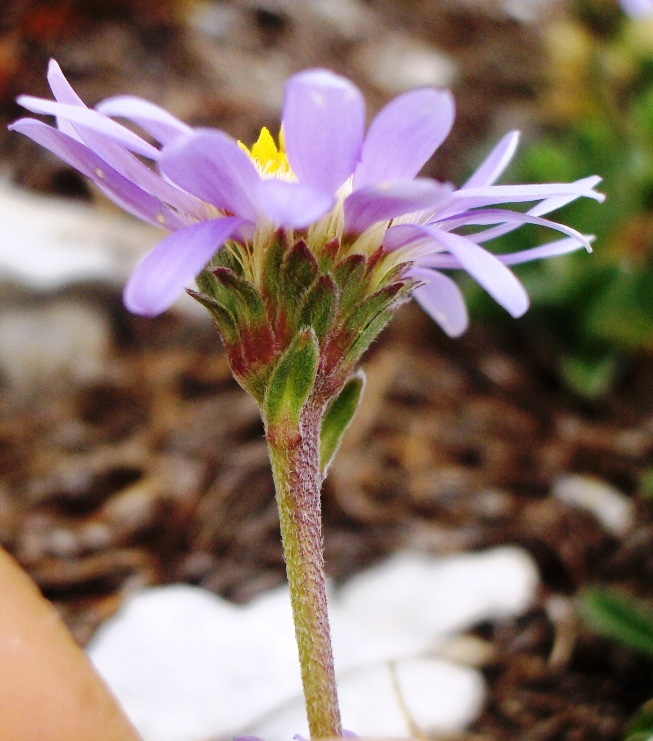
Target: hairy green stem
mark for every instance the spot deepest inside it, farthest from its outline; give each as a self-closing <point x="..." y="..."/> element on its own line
<point x="295" y="457"/>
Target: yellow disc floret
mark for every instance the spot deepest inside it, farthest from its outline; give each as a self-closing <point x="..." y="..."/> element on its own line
<point x="268" y="158"/>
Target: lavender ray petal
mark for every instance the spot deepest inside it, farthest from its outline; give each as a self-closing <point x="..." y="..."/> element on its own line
<point x="545" y="207"/>
<point x="468" y="198"/>
<point x="444" y="261"/>
<point x="552" y="249"/>
<point x="64" y="93"/>
<point x="404" y="135"/>
<point x="119" y="189"/>
<point x="140" y="174"/>
<point x="114" y="154"/>
<point x="482" y="217"/>
<point x="556" y="202"/>
<point x="442" y="300"/>
<point x="386" y="201"/>
<point x="292" y="205"/>
<point x="495" y="163"/>
<point x="323" y="123"/>
<point x="404" y="235"/>
<point x="460" y="206"/>
<point x="160" y="124"/>
<point x="162" y="274"/>
<point x="487" y="270"/>
<point x="210" y="165"/>
<point x="92" y="120"/>
<point x="638" y="8"/>
<point x="61" y="88"/>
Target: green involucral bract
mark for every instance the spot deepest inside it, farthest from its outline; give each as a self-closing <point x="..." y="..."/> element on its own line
<point x="291" y="380"/>
<point x="337" y="418"/>
<point x="265" y="303"/>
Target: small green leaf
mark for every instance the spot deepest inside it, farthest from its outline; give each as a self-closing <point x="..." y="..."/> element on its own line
<point x="318" y="307"/>
<point x="351" y="279"/>
<point x="640" y="726"/>
<point x="240" y="296"/>
<point x="618" y="616"/>
<point x="298" y="273"/>
<point x="292" y="379"/>
<point x="272" y="273"/>
<point x="223" y="319"/>
<point x="371" y="316"/>
<point x="206" y="282"/>
<point x="227" y="257"/>
<point x="338" y="416"/>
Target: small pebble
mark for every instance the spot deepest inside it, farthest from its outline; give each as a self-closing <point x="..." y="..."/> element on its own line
<point x="613" y="509"/>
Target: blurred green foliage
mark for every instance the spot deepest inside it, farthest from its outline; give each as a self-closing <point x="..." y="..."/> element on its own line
<point x="618" y="616"/>
<point x="596" y="114"/>
<point x="630" y="622"/>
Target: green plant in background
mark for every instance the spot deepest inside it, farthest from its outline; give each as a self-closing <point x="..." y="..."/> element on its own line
<point x="630" y="622"/>
<point x="596" y="109"/>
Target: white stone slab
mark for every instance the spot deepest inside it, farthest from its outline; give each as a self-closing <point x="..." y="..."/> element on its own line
<point x="49" y="242"/>
<point x="187" y="665"/>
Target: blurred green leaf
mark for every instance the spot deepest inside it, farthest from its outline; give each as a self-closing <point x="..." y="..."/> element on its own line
<point x="597" y="309"/>
<point x="640" y="727"/>
<point x="646" y="484"/>
<point x="589" y="377"/>
<point x="615" y="615"/>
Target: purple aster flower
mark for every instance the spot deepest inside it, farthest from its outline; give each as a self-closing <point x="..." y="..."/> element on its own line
<point x="637" y="8"/>
<point x="327" y="180"/>
<point x="310" y="246"/>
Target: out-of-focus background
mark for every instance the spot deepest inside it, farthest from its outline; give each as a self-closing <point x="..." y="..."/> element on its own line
<point x="128" y="455"/>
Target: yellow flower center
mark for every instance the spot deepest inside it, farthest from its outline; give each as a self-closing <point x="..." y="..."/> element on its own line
<point x="268" y="158"/>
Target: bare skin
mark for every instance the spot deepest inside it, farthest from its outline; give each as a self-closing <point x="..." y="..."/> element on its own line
<point x="49" y="690"/>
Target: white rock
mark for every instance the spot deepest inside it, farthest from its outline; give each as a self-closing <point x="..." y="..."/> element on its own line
<point x="398" y="63"/>
<point x="66" y="338"/>
<point x="48" y="242"/>
<point x="613" y="509"/>
<point x="413" y="599"/>
<point x="369" y="706"/>
<point x="350" y="18"/>
<point x="393" y="700"/>
<point x="187" y="665"/>
<point x="527" y="11"/>
<point x="440" y="697"/>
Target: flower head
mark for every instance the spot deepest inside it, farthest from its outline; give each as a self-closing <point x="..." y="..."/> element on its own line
<point x="326" y="180"/>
